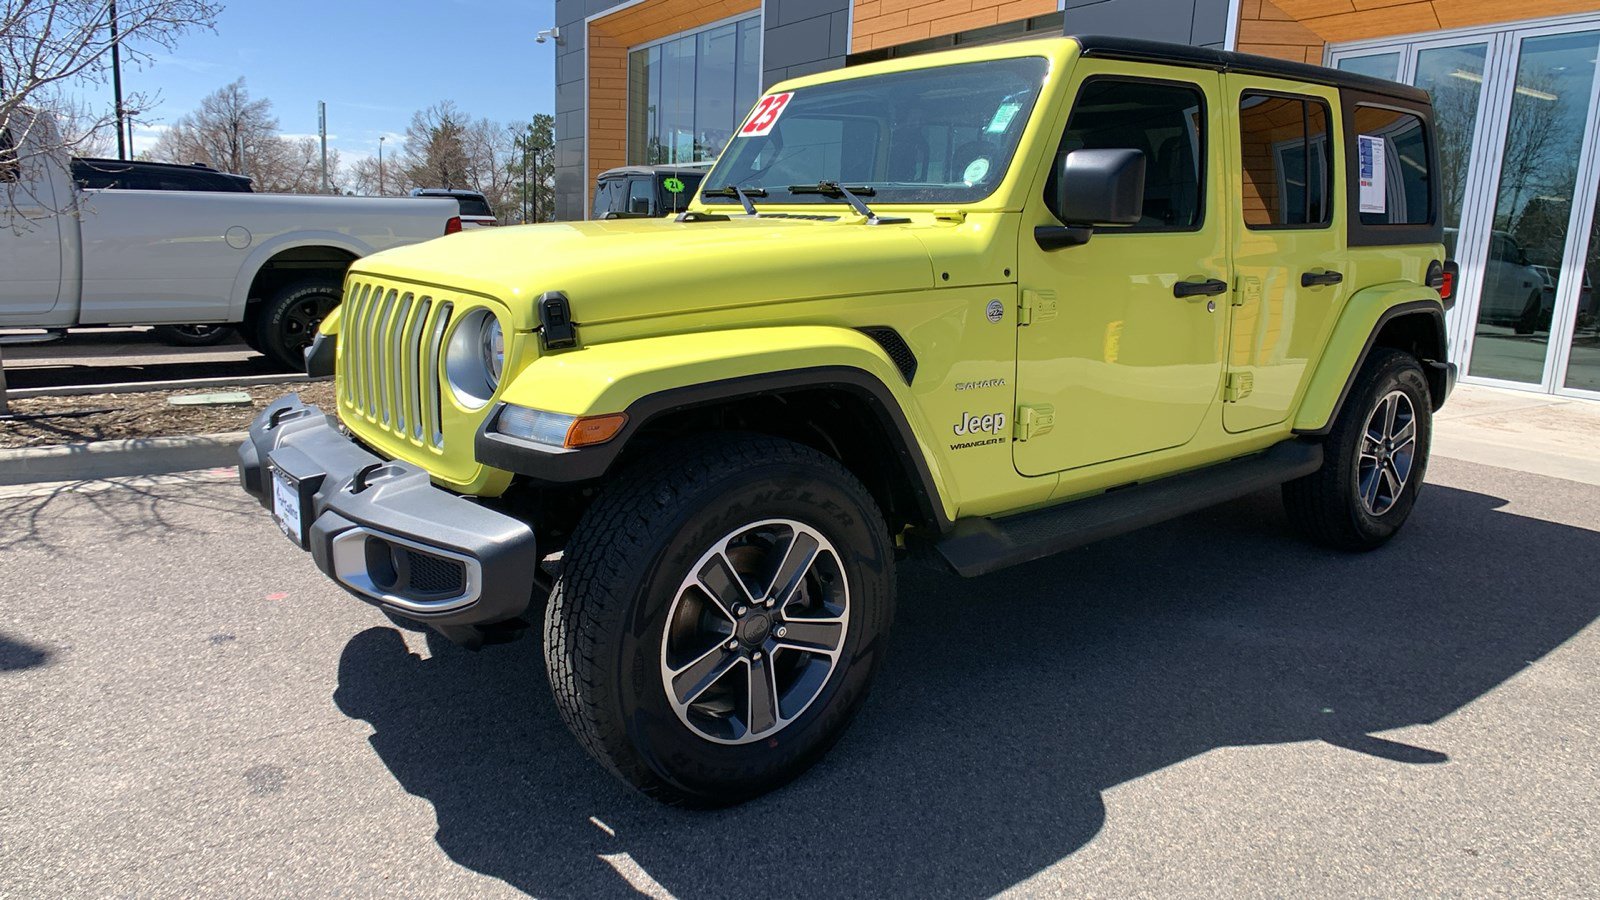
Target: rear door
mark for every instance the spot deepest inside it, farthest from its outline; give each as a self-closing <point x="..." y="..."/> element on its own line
<point x="1119" y="347"/>
<point x="1289" y="242"/>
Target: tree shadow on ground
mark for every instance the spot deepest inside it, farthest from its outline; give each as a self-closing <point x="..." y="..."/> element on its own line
<point x="1008" y="705"/>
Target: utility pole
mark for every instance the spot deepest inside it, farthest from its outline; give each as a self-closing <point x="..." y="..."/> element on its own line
<point x="322" y="129"/>
<point x="381" y="139"/>
<point x="116" y="83"/>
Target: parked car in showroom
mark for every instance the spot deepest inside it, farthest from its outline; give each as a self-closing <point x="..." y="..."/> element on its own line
<point x="475" y="209"/>
<point x="271" y="264"/>
<point x="645" y="192"/>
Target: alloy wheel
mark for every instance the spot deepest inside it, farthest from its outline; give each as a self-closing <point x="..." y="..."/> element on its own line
<point x="755" y="631"/>
<point x="1387" y="453"/>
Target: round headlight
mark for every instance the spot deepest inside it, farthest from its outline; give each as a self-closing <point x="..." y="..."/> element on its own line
<point x="475" y="358"/>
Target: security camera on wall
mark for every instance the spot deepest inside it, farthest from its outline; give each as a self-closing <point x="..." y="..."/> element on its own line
<point x="549" y="34"/>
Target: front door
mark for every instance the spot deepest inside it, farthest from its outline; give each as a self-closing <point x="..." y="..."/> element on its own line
<point x="1120" y="340"/>
<point x="1289" y="256"/>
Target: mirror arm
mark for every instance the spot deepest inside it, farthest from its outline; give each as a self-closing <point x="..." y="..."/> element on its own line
<point x="1057" y="237"/>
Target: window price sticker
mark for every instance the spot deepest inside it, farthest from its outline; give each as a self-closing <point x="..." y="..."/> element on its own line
<point x="766" y="115"/>
<point x="1374" y="181"/>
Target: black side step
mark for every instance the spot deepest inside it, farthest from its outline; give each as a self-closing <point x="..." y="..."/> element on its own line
<point x="978" y="546"/>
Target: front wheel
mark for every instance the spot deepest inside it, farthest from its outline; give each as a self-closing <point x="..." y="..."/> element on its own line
<point x="720" y="615"/>
<point x="288" y="320"/>
<point x="1375" y="457"/>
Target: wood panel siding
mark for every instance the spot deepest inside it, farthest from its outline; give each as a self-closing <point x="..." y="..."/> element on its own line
<point x="1354" y="20"/>
<point x="1266" y="29"/>
<point x="886" y="23"/>
<point x="610" y="38"/>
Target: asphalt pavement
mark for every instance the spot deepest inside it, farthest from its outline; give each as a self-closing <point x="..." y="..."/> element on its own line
<point x="1210" y="707"/>
<point x="123" y="355"/>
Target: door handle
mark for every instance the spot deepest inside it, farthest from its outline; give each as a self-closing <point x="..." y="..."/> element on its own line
<point x="1208" y="288"/>
<point x="1316" y="279"/>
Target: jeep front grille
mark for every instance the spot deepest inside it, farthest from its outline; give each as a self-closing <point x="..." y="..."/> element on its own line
<point x="390" y="340"/>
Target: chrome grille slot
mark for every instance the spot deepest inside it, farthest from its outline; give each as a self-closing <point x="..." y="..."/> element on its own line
<point x="389" y="361"/>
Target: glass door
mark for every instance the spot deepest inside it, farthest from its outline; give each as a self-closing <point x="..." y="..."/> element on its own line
<point x="1516" y="111"/>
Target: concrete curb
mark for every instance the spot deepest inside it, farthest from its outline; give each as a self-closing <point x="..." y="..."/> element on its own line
<point x="114" y="459"/>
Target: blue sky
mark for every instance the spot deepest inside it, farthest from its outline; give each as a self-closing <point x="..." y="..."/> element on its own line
<point x="373" y="62"/>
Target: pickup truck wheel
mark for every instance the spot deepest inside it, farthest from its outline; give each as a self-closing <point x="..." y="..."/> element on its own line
<point x="1375" y="458"/>
<point x="288" y="320"/>
<point x="720" y="614"/>
<point x="192" y="335"/>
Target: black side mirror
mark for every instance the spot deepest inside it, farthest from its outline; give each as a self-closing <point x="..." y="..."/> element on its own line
<point x="1094" y="187"/>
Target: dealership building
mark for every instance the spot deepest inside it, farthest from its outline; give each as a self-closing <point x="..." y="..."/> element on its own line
<point x="642" y="82"/>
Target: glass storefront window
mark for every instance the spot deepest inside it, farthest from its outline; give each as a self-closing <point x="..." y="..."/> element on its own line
<point x="1538" y="173"/>
<point x="687" y="94"/>
<point x="1378" y="65"/>
<point x="1454" y="76"/>
<point x="1583" y="368"/>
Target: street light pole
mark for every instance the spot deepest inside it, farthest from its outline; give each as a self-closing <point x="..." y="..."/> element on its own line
<point x="322" y="129"/>
<point x="116" y="81"/>
<point x="381" y="139"/>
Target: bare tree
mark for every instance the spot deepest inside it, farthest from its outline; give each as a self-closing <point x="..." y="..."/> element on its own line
<point x="435" y="153"/>
<point x="47" y="45"/>
<point x="230" y="131"/>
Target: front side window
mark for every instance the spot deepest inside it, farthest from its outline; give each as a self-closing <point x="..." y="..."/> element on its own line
<point x="641" y="193"/>
<point x="1393" y="165"/>
<point x="1288" y="175"/>
<point x="942" y="135"/>
<point x="1164" y="121"/>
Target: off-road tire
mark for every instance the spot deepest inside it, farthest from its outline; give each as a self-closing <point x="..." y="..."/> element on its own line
<point x="606" y="619"/>
<point x="288" y="320"/>
<point x="1326" y="505"/>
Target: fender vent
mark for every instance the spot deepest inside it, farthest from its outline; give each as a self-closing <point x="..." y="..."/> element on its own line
<point x="894" y="345"/>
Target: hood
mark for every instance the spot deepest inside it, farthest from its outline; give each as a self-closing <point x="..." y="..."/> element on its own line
<point x="621" y="269"/>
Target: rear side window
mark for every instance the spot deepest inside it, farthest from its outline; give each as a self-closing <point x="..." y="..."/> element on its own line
<point x="1163" y="120"/>
<point x="1392" y="159"/>
<point x="1287" y="165"/>
<point x="474" y="206"/>
<point x="10" y="165"/>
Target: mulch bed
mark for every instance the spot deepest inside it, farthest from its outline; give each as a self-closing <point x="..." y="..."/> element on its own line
<point x="119" y="416"/>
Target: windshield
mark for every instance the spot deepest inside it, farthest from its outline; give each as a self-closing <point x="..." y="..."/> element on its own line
<point x="942" y="135"/>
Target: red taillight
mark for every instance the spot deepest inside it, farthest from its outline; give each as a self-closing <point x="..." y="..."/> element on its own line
<point x="453" y="226"/>
<point x="1447" y="287"/>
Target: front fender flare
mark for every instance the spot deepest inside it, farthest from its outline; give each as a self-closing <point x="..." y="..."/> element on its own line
<point x="1364" y="316"/>
<point x="651" y="377"/>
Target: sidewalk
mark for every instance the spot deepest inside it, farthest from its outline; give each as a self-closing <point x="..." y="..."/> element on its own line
<point x="1538" y="433"/>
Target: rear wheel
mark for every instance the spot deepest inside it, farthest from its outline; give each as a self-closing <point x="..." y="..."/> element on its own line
<point x="1375" y="457"/>
<point x="288" y="320"/>
<point x="719" y="618"/>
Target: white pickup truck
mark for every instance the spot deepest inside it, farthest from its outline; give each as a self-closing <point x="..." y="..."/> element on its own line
<point x="273" y="264"/>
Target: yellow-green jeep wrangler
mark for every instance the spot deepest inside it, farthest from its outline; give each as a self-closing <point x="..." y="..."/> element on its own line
<point x="981" y="306"/>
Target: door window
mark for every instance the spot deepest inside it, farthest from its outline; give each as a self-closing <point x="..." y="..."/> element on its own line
<point x="1288" y="176"/>
<point x="1165" y="121"/>
<point x="641" y="196"/>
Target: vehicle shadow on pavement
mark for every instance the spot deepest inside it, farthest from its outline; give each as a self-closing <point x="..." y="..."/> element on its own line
<point x="1008" y="705"/>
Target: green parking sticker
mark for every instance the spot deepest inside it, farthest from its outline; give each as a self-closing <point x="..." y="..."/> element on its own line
<point x="673" y="185"/>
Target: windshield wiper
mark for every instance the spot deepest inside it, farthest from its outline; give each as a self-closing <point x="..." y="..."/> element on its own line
<point x="743" y="195"/>
<point x="851" y="195"/>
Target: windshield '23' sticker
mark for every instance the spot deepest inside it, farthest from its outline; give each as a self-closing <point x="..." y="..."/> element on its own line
<point x="766" y="115"/>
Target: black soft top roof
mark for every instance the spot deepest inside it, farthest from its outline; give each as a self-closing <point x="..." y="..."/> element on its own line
<point x="651" y="170"/>
<point x="1097" y="46"/>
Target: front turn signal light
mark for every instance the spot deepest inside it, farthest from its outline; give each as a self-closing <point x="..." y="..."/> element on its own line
<point x="557" y="429"/>
<point x="592" y="430"/>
